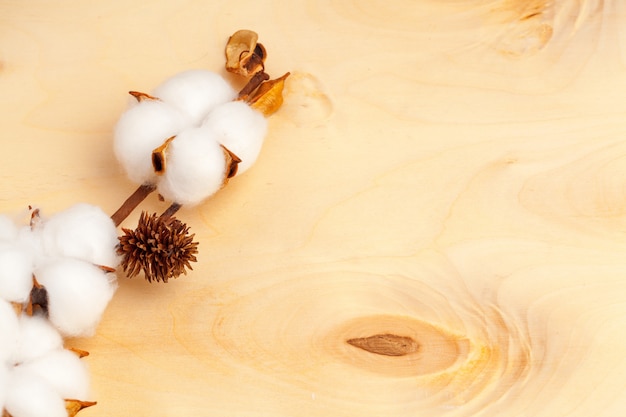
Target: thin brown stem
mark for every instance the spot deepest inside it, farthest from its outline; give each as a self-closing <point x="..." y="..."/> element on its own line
<point x="171" y="210"/>
<point x="132" y="202"/>
<point x="253" y="83"/>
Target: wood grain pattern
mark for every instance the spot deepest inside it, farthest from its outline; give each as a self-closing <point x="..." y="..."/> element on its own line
<point x="452" y="172"/>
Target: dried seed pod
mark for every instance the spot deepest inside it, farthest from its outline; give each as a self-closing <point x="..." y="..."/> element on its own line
<point x="160" y="246"/>
<point x="269" y="96"/>
<point x="244" y="56"/>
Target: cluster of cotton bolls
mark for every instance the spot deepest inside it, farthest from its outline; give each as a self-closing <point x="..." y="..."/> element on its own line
<point x="188" y="137"/>
<point x="55" y="280"/>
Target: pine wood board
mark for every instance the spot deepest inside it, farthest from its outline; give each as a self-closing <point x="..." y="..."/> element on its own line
<point x="450" y="172"/>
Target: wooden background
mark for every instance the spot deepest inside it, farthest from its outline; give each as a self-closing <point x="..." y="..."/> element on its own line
<point x="453" y="171"/>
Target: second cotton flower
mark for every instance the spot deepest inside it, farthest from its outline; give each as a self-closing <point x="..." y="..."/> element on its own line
<point x="189" y="137"/>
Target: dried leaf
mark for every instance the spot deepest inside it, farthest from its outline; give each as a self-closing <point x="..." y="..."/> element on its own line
<point x="139" y="96"/>
<point x="244" y="56"/>
<point x="107" y="269"/>
<point x="74" y="406"/>
<point x="79" y="352"/>
<point x="269" y="96"/>
<point x="159" y="162"/>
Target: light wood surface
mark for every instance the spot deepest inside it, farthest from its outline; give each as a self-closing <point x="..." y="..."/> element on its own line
<point x="449" y="172"/>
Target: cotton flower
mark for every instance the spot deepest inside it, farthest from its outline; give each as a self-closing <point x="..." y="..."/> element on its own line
<point x="9" y="331"/>
<point x="4" y="384"/>
<point x="30" y="239"/>
<point x="82" y="231"/>
<point x="78" y="293"/>
<point x="139" y="130"/>
<point x="196" y="167"/>
<point x="37" y="337"/>
<point x="63" y="370"/>
<point x="16" y="271"/>
<point x="8" y="230"/>
<point x="239" y="128"/>
<point x="28" y="395"/>
<point x="195" y="93"/>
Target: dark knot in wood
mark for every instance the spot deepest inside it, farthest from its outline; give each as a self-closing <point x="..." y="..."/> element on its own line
<point x="386" y="344"/>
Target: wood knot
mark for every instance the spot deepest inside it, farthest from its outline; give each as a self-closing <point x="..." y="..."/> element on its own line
<point x="386" y="344"/>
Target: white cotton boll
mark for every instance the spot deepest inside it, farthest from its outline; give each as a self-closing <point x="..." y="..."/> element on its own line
<point x="64" y="371"/>
<point x="8" y="229"/>
<point x="28" y="395"/>
<point x="9" y="331"/>
<point x="195" y="92"/>
<point x="30" y="240"/>
<point x="78" y="293"/>
<point x="239" y="128"/>
<point x="196" y="167"/>
<point x="37" y="337"/>
<point x="16" y="272"/>
<point x="141" y="129"/>
<point x="4" y="384"/>
<point x="82" y="231"/>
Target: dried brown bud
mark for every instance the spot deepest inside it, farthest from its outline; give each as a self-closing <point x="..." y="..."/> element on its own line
<point x="244" y="56"/>
<point x="160" y="246"/>
<point x="269" y="96"/>
<point x="38" y="298"/>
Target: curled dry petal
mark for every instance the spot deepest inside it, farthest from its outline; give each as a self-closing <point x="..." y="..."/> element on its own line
<point x="269" y="96"/>
<point x="232" y="163"/>
<point x="159" y="160"/>
<point x="244" y="56"/>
